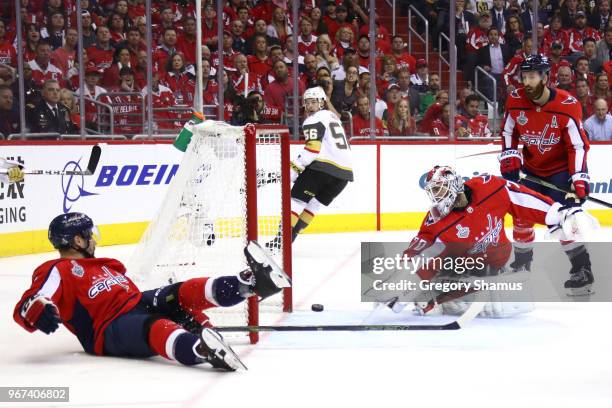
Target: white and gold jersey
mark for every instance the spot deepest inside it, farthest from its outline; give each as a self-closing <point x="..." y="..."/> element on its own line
<point x="326" y="139"/>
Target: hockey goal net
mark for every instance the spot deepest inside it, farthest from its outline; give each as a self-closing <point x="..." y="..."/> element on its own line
<point x="232" y="186"/>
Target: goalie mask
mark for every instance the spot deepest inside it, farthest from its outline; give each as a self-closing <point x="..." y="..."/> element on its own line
<point x="443" y="185"/>
<point x="317" y="93"/>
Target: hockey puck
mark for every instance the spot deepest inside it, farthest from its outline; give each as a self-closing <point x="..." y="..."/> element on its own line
<point x="317" y="307"/>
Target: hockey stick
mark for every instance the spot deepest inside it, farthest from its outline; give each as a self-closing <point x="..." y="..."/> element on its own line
<point x="544" y="183"/>
<point x="471" y="312"/>
<point x="94" y="158"/>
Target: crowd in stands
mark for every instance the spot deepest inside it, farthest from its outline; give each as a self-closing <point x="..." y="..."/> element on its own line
<point x="257" y="47"/>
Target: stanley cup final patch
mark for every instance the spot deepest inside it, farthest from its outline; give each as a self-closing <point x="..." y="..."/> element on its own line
<point x="522" y="119"/>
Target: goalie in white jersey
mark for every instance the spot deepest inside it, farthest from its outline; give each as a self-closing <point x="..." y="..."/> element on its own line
<point x="323" y="168"/>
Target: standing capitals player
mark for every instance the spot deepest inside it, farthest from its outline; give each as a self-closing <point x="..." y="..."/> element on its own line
<point x="100" y="305"/>
<point x="323" y="169"/>
<point x="549" y="124"/>
<point x="466" y="220"/>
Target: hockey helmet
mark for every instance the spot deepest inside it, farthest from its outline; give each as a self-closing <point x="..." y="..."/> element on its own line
<point x="65" y="227"/>
<point x="442" y="186"/>
<point x="538" y="63"/>
<point x="314" y="93"/>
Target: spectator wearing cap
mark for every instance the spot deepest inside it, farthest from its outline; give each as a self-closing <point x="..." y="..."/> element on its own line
<point x="393" y="96"/>
<point x="599" y="126"/>
<point x="477" y="38"/>
<point x="42" y="68"/>
<point x="383" y="38"/>
<point x="101" y="54"/>
<point x="600" y="15"/>
<point x="65" y="56"/>
<point x="584" y="97"/>
<point x="167" y="48"/>
<point x="578" y="33"/>
<point x="402" y="58"/>
<point x="92" y="90"/>
<point x="604" y="46"/>
<point x="555" y="33"/>
<point x="556" y="61"/>
<point x="279" y="27"/>
<point x="89" y="30"/>
<point x="350" y="59"/>
<point x="420" y="78"/>
<point x="361" y="120"/>
<point x="228" y="52"/>
<point x="492" y="58"/>
<point x="344" y="94"/>
<point x="363" y="51"/>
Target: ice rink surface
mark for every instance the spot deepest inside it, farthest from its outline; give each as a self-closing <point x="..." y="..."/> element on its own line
<point x="560" y="355"/>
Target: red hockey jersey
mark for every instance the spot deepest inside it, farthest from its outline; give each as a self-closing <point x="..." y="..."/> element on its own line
<point x="89" y="294"/>
<point x="478" y="229"/>
<point x="552" y="135"/>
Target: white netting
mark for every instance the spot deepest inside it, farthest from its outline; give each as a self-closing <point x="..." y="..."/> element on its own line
<point x="200" y="229"/>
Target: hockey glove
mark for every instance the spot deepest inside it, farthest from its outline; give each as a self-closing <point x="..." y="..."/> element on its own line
<point x="41" y="313"/>
<point x="580" y="183"/>
<point x="510" y="164"/>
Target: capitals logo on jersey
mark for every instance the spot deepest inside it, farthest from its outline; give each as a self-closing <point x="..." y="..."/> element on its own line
<point x="543" y="141"/>
<point x="491" y="237"/>
<point x="106" y="282"/>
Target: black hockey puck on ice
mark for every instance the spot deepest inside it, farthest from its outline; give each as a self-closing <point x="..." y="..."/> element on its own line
<point x="317" y="307"/>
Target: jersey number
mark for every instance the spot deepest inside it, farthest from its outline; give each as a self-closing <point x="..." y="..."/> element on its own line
<point x="337" y="133"/>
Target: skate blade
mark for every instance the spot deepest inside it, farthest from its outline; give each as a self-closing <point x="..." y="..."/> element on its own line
<point x="583" y="291"/>
<point x="278" y="276"/>
<point x="214" y="342"/>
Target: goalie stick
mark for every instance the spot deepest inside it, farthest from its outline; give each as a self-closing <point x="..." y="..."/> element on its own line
<point x="94" y="158"/>
<point x="544" y="183"/>
<point x="471" y="312"/>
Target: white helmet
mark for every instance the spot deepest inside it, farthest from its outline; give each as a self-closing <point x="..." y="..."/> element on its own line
<point x="315" y="93"/>
<point x="443" y="185"/>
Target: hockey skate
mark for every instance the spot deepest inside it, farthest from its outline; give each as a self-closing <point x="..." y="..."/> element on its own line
<point x="269" y="278"/>
<point x="580" y="281"/>
<point x="522" y="261"/>
<point x="215" y="351"/>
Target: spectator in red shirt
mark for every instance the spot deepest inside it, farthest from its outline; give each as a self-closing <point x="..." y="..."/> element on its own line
<point x="583" y="94"/>
<point x="402" y="123"/>
<point x="388" y="75"/>
<point x="163" y="99"/>
<point x="580" y="32"/>
<point x="361" y="120"/>
<point x="279" y="27"/>
<point x="101" y="54"/>
<point x="277" y="91"/>
<point x="140" y="69"/>
<point x="134" y="44"/>
<point x="128" y="107"/>
<point x="243" y="80"/>
<point x="167" y="22"/>
<point x="307" y="41"/>
<point x="167" y="48"/>
<point x="210" y="88"/>
<point x="42" y="68"/>
<point x="433" y="112"/>
<point x="345" y="41"/>
<point x="309" y="74"/>
<point x="247" y="23"/>
<point x="470" y="121"/>
<point x="512" y="73"/>
<point x="31" y="41"/>
<point x="259" y="62"/>
<point x="228" y="52"/>
<point x="8" y="54"/>
<point x="186" y="41"/>
<point x="363" y="51"/>
<point x="65" y="56"/>
<point x="121" y="59"/>
<point x="341" y="20"/>
<point x="441" y="126"/>
<point x="402" y="58"/>
<point x="93" y="91"/>
<point x="264" y="10"/>
<point x="260" y="28"/>
<point x="209" y="26"/>
<point x="117" y="25"/>
<point x="581" y="70"/>
<point x="316" y="16"/>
